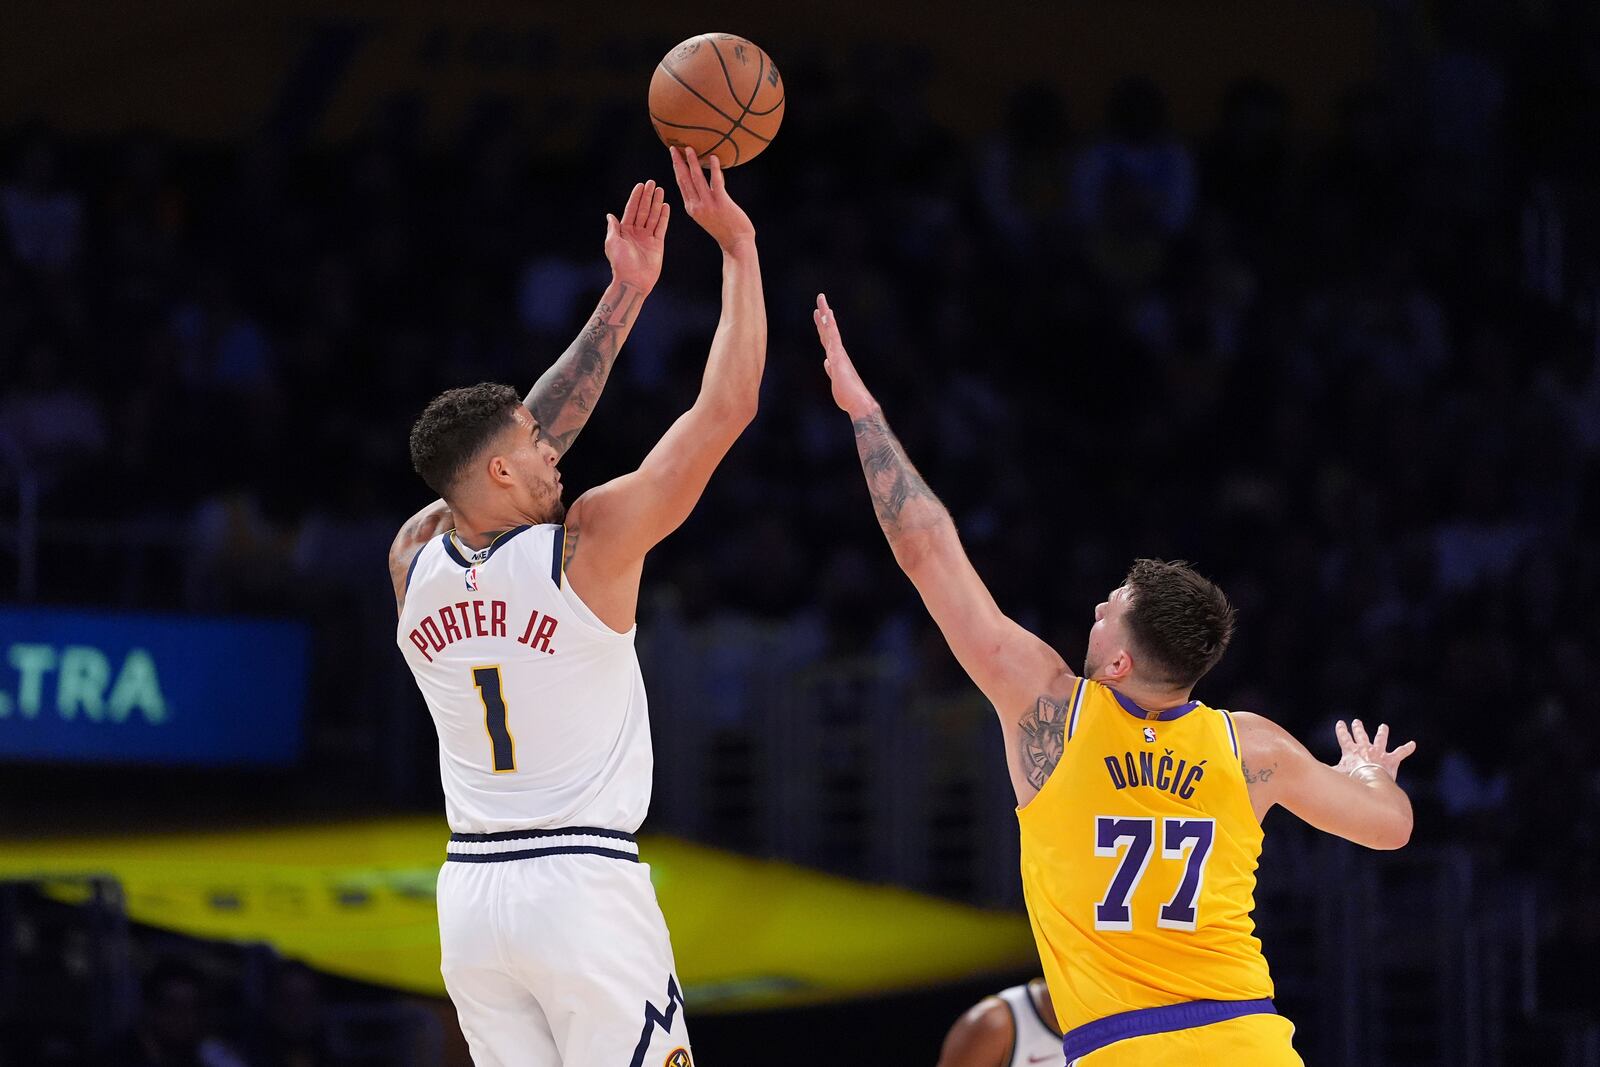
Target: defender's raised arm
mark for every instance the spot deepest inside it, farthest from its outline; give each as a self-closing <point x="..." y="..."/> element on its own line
<point x="1024" y="678"/>
<point x="612" y="527"/>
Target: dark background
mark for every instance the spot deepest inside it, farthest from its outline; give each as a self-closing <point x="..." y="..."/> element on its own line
<point x="1308" y="296"/>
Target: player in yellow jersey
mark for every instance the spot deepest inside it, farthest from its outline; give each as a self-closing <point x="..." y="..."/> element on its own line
<point x="1140" y="807"/>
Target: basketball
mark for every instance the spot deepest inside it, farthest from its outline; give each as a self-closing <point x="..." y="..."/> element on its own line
<point x="718" y="94"/>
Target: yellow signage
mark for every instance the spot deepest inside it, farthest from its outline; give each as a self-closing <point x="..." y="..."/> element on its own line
<point x="356" y="899"/>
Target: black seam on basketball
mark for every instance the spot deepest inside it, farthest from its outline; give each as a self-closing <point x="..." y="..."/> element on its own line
<point x="711" y="129"/>
<point x="695" y="92"/>
<point x="681" y="125"/>
<point x="771" y="109"/>
<point x="735" y="94"/>
<point x="738" y="123"/>
<point x="726" y="76"/>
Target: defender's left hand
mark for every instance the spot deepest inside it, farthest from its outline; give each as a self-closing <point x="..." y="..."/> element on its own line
<point x="1356" y="748"/>
<point x="635" y="242"/>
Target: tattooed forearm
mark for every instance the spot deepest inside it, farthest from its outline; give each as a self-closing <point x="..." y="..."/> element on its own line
<point x="891" y="479"/>
<point x="565" y="395"/>
<point x="1043" y="736"/>
<point x="1259" y="774"/>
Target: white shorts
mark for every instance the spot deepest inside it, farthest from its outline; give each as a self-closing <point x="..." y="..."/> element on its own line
<point x="555" y="952"/>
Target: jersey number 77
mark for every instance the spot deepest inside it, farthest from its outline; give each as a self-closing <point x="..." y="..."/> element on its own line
<point x="1181" y="838"/>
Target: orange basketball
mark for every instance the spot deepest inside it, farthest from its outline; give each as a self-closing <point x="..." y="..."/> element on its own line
<point x="718" y="94"/>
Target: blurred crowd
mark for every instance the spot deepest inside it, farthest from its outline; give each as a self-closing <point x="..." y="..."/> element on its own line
<point x="1353" y="373"/>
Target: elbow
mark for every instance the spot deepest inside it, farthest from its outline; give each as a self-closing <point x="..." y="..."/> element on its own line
<point x="735" y="412"/>
<point x="910" y="553"/>
<point x="1395" y="835"/>
<point x="917" y="550"/>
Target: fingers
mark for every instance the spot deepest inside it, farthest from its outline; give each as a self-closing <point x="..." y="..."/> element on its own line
<point x="680" y="171"/>
<point x="1380" y="739"/>
<point x="695" y="176"/>
<point x="611" y="226"/>
<point x="657" y="205"/>
<point x="631" y="209"/>
<point x="718" y="184"/>
<point x="659" y="226"/>
<point x="1359" y="732"/>
<point x="649" y="197"/>
<point x="1402" y="752"/>
<point x="1342" y="732"/>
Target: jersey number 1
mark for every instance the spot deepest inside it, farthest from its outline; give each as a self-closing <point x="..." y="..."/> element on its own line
<point x="487" y="679"/>
<point x="1179" y="836"/>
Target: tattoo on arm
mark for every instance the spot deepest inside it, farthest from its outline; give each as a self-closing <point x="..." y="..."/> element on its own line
<point x="891" y="479"/>
<point x="1044" y="736"/>
<point x="563" y="398"/>
<point x="1260" y="774"/>
<point x="569" y="545"/>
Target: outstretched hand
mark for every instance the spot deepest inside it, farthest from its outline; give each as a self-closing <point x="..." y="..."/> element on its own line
<point x="1356" y="748"/>
<point x="635" y="242"/>
<point x="706" y="199"/>
<point x="848" y="390"/>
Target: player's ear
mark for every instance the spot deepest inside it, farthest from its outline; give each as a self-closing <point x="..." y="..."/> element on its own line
<point x="500" y="471"/>
<point x="1119" y="666"/>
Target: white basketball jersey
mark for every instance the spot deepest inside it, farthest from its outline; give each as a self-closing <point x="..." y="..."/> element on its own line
<point x="1036" y="1044"/>
<point x="539" y="706"/>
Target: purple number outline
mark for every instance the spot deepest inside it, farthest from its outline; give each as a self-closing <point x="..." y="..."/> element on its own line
<point x="1111" y="835"/>
<point x="1177" y="835"/>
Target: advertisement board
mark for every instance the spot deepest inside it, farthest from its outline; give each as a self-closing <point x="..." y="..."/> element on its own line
<point x="126" y="688"/>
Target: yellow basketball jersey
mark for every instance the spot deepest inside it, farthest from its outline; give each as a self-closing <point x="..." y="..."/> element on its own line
<point x="1139" y="859"/>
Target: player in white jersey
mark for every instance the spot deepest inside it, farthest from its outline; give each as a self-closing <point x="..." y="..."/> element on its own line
<point x="518" y="627"/>
<point x="1014" y="1028"/>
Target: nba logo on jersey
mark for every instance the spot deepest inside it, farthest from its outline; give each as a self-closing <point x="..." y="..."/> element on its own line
<point x="472" y="583"/>
<point x="1149" y="734"/>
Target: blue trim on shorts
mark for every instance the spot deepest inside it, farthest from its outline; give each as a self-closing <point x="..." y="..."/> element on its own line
<point x="565" y="831"/>
<point x="535" y="853"/>
<point x="1091" y="1037"/>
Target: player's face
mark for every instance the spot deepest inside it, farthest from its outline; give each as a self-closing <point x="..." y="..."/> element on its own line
<point x="1108" y="637"/>
<point x="532" y="460"/>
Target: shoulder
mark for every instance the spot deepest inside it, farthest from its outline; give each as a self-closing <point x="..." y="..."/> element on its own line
<point x="1272" y="756"/>
<point x="982" y="1037"/>
<point x="403" y="560"/>
<point x="1259" y="735"/>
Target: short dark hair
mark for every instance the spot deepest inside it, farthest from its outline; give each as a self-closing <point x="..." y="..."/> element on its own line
<point x="454" y="428"/>
<point x="1180" y="622"/>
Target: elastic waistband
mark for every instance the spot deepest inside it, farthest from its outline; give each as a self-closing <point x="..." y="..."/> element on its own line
<point x="1091" y="1037"/>
<point x="510" y="845"/>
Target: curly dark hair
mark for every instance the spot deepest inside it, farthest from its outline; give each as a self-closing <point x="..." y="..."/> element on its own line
<point x="1179" y="621"/>
<point x="454" y="428"/>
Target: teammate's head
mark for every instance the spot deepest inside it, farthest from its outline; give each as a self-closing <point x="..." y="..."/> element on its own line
<point x="1164" y="625"/>
<point x="482" y="451"/>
